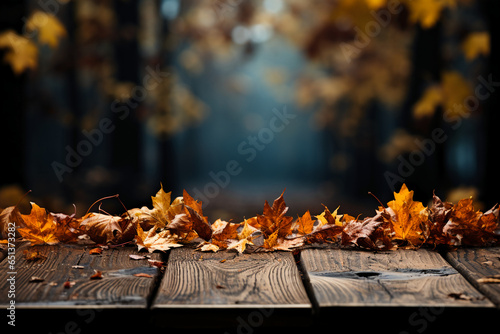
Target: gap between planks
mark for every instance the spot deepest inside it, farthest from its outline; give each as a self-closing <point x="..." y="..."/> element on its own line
<point x="475" y="264"/>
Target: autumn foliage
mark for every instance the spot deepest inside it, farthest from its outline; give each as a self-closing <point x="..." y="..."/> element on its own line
<point x="404" y="223"/>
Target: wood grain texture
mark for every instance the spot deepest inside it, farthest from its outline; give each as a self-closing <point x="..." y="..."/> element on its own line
<point x="118" y="287"/>
<point x="398" y="278"/>
<point x="225" y="279"/>
<point x="476" y="263"/>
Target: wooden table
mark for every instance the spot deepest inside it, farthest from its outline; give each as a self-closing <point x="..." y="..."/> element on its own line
<point x="402" y="291"/>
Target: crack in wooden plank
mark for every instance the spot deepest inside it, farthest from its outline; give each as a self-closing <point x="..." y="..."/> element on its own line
<point x="397" y="274"/>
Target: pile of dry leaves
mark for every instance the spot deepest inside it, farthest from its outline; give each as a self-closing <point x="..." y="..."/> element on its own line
<point x="404" y="223"/>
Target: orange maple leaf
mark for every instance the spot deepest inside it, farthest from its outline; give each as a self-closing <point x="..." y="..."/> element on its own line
<point x="410" y="219"/>
<point x="276" y="227"/>
<point x="224" y="234"/>
<point x="305" y="224"/>
<point x="193" y="210"/>
<point x="274" y="220"/>
<point x="40" y="227"/>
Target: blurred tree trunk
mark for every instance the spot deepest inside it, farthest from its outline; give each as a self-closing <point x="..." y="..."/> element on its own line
<point x="12" y="96"/>
<point x="427" y="64"/>
<point x="491" y="179"/>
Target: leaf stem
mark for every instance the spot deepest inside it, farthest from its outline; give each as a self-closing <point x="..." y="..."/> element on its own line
<point x="99" y="200"/>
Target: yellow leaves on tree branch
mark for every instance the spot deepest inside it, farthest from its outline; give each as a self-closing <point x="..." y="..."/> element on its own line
<point x="50" y="29"/>
<point x="22" y="52"/>
<point x="451" y="94"/>
<point x="476" y="44"/>
<point x="427" y="12"/>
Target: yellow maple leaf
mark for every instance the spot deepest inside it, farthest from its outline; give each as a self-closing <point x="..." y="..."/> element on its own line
<point x="152" y="241"/>
<point x="240" y="245"/>
<point x="427" y="104"/>
<point x="40" y="227"/>
<point x="161" y="206"/>
<point x="427" y="12"/>
<point x="22" y="53"/>
<point x="409" y="218"/>
<point x="271" y="241"/>
<point x="329" y="218"/>
<point x="248" y="229"/>
<point x="456" y="89"/>
<point x="476" y="43"/>
<point x="451" y="94"/>
<point x="49" y="28"/>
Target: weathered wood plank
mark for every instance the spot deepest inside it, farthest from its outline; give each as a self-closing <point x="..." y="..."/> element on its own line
<point x="398" y="278"/>
<point x="118" y="287"/>
<point x="477" y="263"/>
<point x="228" y="280"/>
